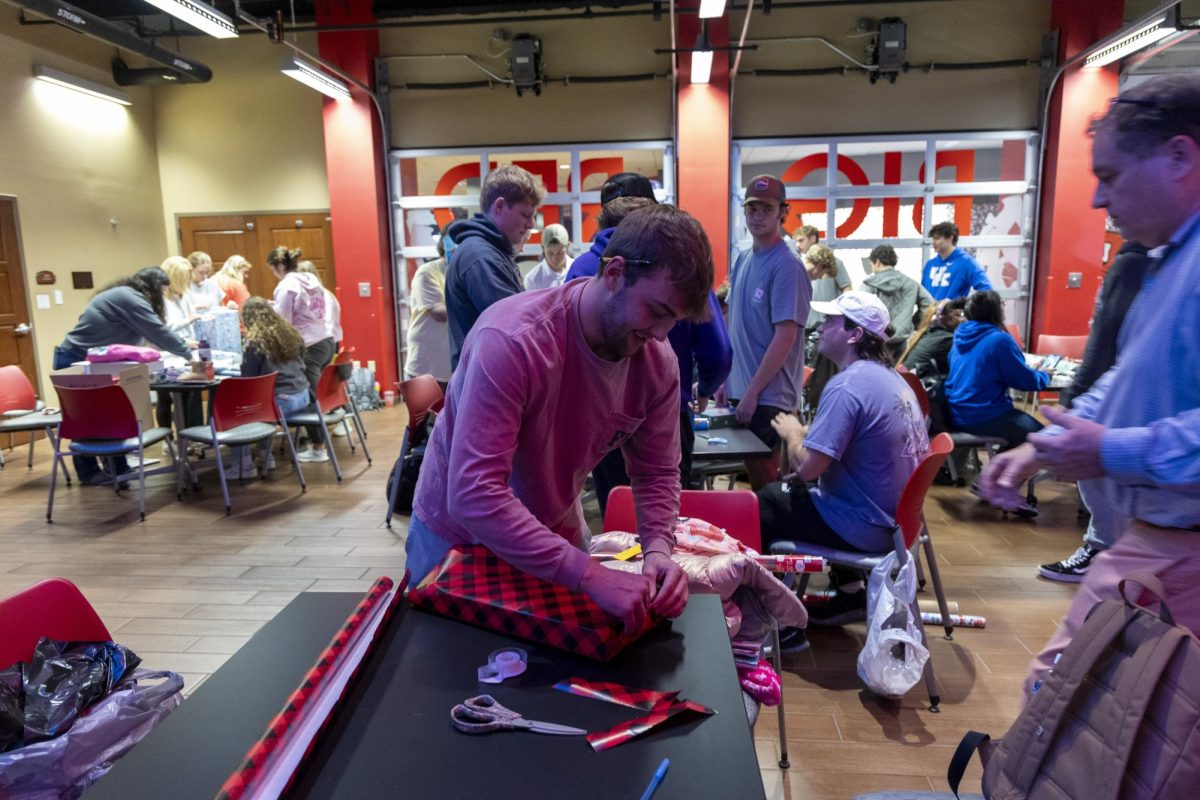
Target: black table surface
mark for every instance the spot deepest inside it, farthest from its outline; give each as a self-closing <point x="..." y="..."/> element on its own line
<point x="392" y="737"/>
<point x="741" y="443"/>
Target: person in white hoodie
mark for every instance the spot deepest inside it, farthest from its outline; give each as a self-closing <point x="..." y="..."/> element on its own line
<point x="300" y="300"/>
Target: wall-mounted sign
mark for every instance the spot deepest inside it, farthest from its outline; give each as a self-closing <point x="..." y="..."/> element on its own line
<point x="45" y="277"/>
<point x="81" y="280"/>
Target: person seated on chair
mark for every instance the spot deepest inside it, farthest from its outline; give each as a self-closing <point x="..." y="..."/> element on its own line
<point x="548" y="383"/>
<point x="850" y="466"/>
<point x="985" y="362"/>
<point x="928" y="352"/>
<point x="272" y="345"/>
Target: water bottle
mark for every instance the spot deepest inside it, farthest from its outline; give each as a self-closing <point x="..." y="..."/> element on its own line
<point x="203" y="351"/>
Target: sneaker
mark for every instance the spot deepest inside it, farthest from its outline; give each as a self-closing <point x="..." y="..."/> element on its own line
<point x="793" y="640"/>
<point x="841" y="609"/>
<point x="341" y="430"/>
<point x="312" y="455"/>
<point x="1072" y="569"/>
<point x="270" y="461"/>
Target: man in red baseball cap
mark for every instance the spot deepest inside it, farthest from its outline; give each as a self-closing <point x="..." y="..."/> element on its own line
<point x="769" y="295"/>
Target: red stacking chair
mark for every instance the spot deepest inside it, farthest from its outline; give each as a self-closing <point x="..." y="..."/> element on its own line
<point x="332" y="405"/>
<point x="422" y="397"/>
<point x="1065" y="346"/>
<point x="918" y="389"/>
<point x="22" y="412"/>
<point x="100" y="421"/>
<point x="737" y="512"/>
<point x="344" y="361"/>
<point x="910" y="531"/>
<point x="54" y="607"/>
<point x="244" y="413"/>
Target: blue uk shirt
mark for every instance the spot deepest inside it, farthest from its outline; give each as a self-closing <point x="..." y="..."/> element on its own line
<point x="956" y="276"/>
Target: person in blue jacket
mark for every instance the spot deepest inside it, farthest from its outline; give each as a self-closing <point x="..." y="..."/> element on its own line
<point x="952" y="272"/>
<point x="985" y="362"/>
<point x="702" y="349"/>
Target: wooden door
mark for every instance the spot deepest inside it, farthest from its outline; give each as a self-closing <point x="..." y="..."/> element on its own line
<point x="253" y="236"/>
<point x="16" y="333"/>
<point x="310" y="233"/>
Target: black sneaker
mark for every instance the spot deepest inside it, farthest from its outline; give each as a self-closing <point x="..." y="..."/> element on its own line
<point x="841" y="609"/>
<point x="793" y="640"/>
<point x="1070" y="570"/>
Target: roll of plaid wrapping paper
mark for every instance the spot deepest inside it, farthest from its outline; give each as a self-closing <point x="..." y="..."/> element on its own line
<point x="261" y="772"/>
<point x="661" y="705"/>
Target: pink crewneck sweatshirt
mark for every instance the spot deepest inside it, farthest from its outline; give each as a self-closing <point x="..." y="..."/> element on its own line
<point x="530" y="410"/>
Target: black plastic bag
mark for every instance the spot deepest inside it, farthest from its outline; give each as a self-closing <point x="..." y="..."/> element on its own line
<point x="59" y="682"/>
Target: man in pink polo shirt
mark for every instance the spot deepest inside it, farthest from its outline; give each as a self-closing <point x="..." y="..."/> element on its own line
<point x="548" y="383"/>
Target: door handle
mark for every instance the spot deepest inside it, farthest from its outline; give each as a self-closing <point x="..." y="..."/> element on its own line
<point x="23" y="329"/>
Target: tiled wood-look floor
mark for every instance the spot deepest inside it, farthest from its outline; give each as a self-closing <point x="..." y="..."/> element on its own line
<point x="186" y="588"/>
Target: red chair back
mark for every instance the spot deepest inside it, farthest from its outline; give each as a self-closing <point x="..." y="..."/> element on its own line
<point x="240" y="401"/>
<point x="735" y="511"/>
<point x="54" y="607"/>
<point x="914" y="383"/>
<point x="1066" y="346"/>
<point x="331" y="390"/>
<point x="422" y="395"/>
<point x="16" y="392"/>
<point x="96" y="412"/>
<point x="910" y="511"/>
<point x="1015" y="332"/>
<point x="808" y="371"/>
<point x="346" y="356"/>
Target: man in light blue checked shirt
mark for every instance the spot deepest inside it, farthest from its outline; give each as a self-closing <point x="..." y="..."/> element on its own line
<point x="1138" y="429"/>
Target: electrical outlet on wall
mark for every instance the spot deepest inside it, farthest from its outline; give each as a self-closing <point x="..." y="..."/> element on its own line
<point x="364" y="290"/>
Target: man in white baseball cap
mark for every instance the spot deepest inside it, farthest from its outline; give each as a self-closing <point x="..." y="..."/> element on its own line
<point x="850" y="465"/>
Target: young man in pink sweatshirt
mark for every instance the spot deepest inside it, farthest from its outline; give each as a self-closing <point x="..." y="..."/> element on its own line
<point x="548" y="383"/>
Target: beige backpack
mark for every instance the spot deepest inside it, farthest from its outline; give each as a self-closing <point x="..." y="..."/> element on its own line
<point x="1117" y="719"/>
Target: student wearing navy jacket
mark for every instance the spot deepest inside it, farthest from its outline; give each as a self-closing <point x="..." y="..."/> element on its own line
<point x="952" y="272"/>
<point x="985" y="362"/>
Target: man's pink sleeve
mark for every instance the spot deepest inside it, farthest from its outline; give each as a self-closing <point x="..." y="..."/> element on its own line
<point x="652" y="460"/>
<point x="487" y="426"/>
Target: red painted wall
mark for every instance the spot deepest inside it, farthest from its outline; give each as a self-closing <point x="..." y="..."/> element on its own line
<point x="358" y="202"/>
<point x="1071" y="236"/>
<point x="704" y="139"/>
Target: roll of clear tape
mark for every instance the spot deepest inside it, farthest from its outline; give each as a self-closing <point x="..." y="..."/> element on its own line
<point x="507" y="662"/>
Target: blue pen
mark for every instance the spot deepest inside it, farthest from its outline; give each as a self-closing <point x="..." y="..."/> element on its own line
<point x="659" y="774"/>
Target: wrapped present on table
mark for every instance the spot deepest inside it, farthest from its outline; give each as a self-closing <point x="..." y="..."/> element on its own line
<point x="473" y="585"/>
<point x="221" y="328"/>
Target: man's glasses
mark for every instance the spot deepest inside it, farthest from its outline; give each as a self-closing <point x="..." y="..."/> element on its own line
<point x="637" y="262"/>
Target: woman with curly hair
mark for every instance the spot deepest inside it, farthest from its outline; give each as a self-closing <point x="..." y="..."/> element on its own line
<point x="272" y="345"/>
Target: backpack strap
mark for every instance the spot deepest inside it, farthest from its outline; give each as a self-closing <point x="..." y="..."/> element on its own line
<point x="974" y="740"/>
<point x="1049" y="707"/>
<point x="1150" y="583"/>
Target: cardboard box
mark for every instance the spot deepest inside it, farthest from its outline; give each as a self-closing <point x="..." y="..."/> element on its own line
<point x="133" y="378"/>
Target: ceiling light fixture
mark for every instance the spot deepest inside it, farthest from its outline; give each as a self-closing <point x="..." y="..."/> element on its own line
<point x="201" y="16"/>
<point x="1131" y="42"/>
<point x="711" y="9"/>
<point x="314" y="78"/>
<point x="702" y="56"/>
<point x="82" y="85"/>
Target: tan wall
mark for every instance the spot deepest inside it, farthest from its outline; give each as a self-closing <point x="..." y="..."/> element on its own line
<point x="74" y="166"/>
<point x="251" y="139"/>
<point x="962" y="31"/>
<point x="496" y="116"/>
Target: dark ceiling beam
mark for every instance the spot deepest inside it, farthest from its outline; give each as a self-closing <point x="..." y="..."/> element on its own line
<point x="77" y="19"/>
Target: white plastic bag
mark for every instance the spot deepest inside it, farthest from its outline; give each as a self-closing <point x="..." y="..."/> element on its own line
<point x="893" y="658"/>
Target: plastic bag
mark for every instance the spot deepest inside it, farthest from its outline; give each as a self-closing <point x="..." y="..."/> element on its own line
<point x="65" y="766"/>
<point x="893" y="658"/>
<point x="58" y="682"/>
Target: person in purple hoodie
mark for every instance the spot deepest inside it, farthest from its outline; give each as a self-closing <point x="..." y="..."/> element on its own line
<point x="701" y="348"/>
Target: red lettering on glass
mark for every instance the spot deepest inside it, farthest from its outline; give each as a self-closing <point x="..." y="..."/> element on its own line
<point x="963" y="162"/>
<point x="846" y="166"/>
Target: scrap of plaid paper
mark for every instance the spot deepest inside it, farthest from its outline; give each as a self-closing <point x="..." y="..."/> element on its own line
<point x="643" y="699"/>
<point x="662" y="711"/>
<point x="474" y="585"/>
<point x="243" y="778"/>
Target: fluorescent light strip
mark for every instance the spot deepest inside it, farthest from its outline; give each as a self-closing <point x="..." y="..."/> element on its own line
<point x="1142" y="37"/>
<point x="312" y="77"/>
<point x="81" y="85"/>
<point x="201" y="16"/>
<point x="701" y="65"/>
<point x="711" y="9"/>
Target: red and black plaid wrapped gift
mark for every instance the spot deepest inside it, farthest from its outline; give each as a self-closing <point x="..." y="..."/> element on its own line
<point x="473" y="585"/>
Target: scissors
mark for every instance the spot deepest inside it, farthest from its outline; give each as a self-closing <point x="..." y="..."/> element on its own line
<point x="483" y="714"/>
